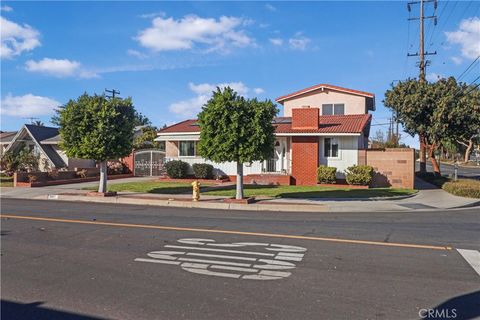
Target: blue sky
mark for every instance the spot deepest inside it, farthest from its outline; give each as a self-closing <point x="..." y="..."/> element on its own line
<point x="169" y="55"/>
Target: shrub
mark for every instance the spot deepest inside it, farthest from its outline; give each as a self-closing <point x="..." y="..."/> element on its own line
<point x="115" y="167"/>
<point x="53" y="174"/>
<point x="203" y="170"/>
<point x="326" y="174"/>
<point x="177" y="169"/>
<point x="359" y="175"/>
<point x="32" y="178"/>
<point x="464" y="188"/>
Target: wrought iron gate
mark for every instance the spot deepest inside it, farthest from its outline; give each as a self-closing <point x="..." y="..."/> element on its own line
<point x="149" y="163"/>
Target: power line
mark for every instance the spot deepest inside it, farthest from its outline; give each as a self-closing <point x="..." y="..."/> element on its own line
<point x="466" y="71"/>
<point x="113" y="92"/>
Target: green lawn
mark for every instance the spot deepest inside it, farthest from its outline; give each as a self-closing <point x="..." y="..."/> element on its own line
<point x="257" y="190"/>
<point x="150" y="187"/>
<point x="310" y="192"/>
<point x="6" y="181"/>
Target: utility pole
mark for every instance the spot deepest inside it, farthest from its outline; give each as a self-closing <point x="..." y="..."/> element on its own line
<point x="422" y="64"/>
<point x="113" y="92"/>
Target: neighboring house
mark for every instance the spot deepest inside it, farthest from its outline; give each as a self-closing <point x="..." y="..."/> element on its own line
<point x="5" y="139"/>
<point x="322" y="125"/>
<point x="44" y="141"/>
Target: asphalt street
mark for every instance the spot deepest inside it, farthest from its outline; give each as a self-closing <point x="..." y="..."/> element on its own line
<point x="65" y="260"/>
<point x="448" y="170"/>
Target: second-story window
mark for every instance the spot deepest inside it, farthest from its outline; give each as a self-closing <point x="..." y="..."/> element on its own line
<point x="333" y="109"/>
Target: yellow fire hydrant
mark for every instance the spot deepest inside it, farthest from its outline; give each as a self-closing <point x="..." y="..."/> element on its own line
<point x="196" y="190"/>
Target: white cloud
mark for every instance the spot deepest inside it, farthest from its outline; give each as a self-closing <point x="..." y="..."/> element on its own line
<point x="60" y="68"/>
<point x="456" y="60"/>
<point x="136" y="54"/>
<point x="276" y="41"/>
<point x="152" y="15"/>
<point x="27" y="105"/>
<point x="270" y="7"/>
<point x="189" y="108"/>
<point x="168" y="34"/>
<point x="6" y="8"/>
<point x="258" y="90"/>
<point x="433" y="77"/>
<point x="16" y="39"/>
<point x="299" y="42"/>
<point x="467" y="36"/>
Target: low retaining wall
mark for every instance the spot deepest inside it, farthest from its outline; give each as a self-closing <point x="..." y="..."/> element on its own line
<point x="20" y="179"/>
<point x="394" y="167"/>
<point x="265" y="179"/>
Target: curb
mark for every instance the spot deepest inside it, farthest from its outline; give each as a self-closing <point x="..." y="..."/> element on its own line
<point x="190" y="204"/>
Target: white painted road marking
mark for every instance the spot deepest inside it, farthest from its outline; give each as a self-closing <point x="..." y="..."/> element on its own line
<point x="472" y="257"/>
<point x="254" y="265"/>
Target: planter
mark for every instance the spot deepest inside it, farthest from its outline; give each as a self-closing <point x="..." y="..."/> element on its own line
<point x="190" y="180"/>
<point x="239" y="201"/>
<point x="342" y="186"/>
<point x="68" y="181"/>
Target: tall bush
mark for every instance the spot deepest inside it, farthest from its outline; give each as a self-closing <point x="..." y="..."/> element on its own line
<point x="359" y="175"/>
<point x="203" y="170"/>
<point x="326" y="174"/>
<point x="177" y="169"/>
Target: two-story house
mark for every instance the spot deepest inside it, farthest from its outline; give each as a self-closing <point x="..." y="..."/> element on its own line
<point x="322" y="125"/>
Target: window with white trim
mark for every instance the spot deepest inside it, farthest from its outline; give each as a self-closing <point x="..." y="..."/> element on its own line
<point x="330" y="147"/>
<point x="187" y="148"/>
<point x="333" y="109"/>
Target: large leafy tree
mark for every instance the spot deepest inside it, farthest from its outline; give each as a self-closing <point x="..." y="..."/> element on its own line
<point x="94" y="127"/>
<point x="146" y="138"/>
<point x="236" y="129"/>
<point x="466" y="114"/>
<point x="411" y="102"/>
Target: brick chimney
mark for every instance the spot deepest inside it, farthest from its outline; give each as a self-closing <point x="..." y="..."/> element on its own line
<point x="305" y="118"/>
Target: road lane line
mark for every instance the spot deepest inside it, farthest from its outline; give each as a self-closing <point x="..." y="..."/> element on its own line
<point x="472" y="257"/>
<point x="258" y="234"/>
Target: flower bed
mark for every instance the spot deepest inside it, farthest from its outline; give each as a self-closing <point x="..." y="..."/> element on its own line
<point x="342" y="185"/>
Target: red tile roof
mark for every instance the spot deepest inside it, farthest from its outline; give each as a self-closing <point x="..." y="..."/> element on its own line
<point x="353" y="123"/>
<point x="326" y="86"/>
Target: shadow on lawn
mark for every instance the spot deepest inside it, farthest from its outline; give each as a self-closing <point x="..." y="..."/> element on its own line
<point x="345" y="195"/>
<point x="175" y="190"/>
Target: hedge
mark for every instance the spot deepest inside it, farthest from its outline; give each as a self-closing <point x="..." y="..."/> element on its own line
<point x="326" y="174"/>
<point x="359" y="175"/>
<point x="177" y="169"/>
<point x="203" y="170"/>
<point x="463" y="187"/>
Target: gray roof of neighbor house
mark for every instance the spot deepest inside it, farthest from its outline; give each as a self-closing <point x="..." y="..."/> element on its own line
<point x="53" y="140"/>
<point x="39" y="134"/>
<point x="7" y="136"/>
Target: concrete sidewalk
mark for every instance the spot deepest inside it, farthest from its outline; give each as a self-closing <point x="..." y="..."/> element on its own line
<point x="427" y="199"/>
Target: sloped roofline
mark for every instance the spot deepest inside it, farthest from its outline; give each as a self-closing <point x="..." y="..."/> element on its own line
<point x="324" y="86"/>
<point x="34" y="140"/>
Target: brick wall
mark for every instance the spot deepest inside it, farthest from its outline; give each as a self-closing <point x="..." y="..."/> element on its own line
<point x="304" y="160"/>
<point x="393" y="167"/>
<point x="171" y="149"/>
<point x="305" y="118"/>
<point x="129" y="161"/>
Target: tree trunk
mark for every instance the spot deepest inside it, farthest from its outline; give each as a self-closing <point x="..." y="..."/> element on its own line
<point x="422" y="155"/>
<point x="239" y="181"/>
<point x="468" y="150"/>
<point x="431" y="154"/>
<point x="102" y="187"/>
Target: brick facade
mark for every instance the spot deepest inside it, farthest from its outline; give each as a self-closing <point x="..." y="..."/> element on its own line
<point x="305" y="118"/>
<point x="305" y="160"/>
<point x="393" y="167"/>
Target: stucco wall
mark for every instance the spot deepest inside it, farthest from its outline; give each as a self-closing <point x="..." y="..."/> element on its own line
<point x="353" y="104"/>
<point x="347" y="154"/>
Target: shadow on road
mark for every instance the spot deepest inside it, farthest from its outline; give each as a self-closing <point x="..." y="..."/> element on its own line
<point x="464" y="307"/>
<point x="29" y="311"/>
